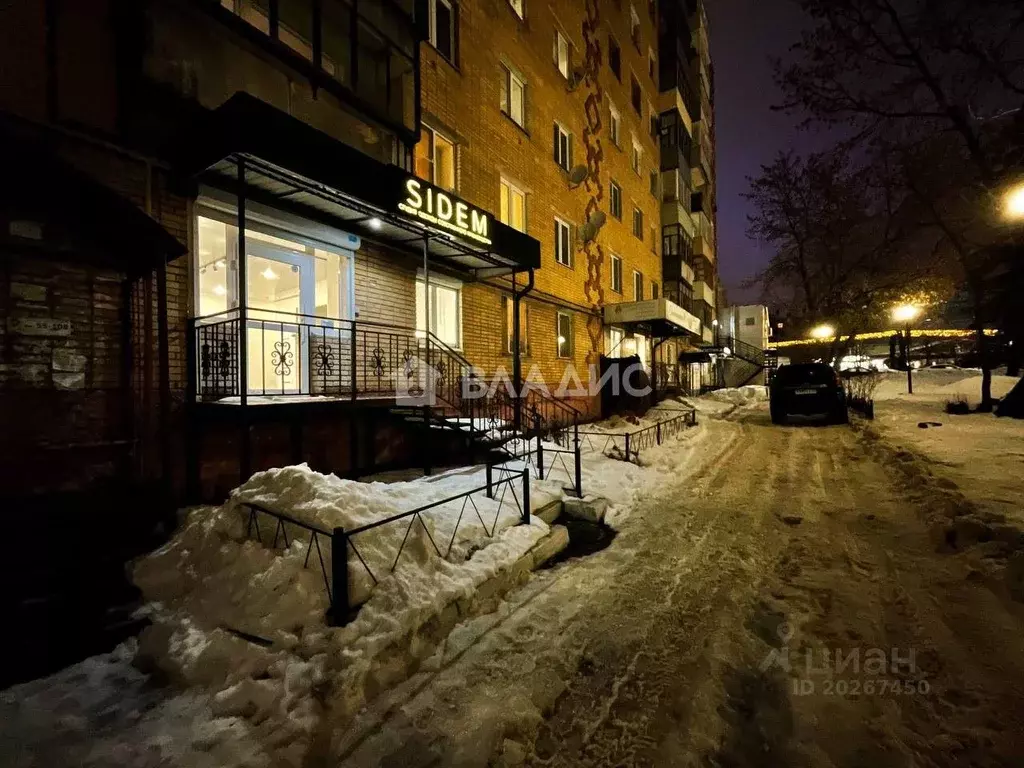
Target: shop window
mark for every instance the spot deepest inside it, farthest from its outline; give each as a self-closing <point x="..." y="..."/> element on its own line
<point x="563" y="147"/>
<point x="436" y="159"/>
<point x="615" y="58"/>
<point x="441" y="21"/>
<point x="513" y="96"/>
<point x="524" y="326"/>
<point x="638" y="286"/>
<point x="616" y="337"/>
<point x="615" y="200"/>
<point x="563" y="334"/>
<point x="563" y="54"/>
<point x="616" y="273"/>
<point x="513" y="206"/>
<point x="563" y="243"/>
<point x="445" y="310"/>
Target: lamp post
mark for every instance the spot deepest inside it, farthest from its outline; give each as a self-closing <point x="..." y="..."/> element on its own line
<point x="714" y="324"/>
<point x="905" y="313"/>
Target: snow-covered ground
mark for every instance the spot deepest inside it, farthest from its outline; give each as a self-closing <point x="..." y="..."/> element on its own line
<point x="239" y="630"/>
<point x="979" y="452"/>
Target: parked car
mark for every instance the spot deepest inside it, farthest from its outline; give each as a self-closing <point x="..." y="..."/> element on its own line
<point x="807" y="389"/>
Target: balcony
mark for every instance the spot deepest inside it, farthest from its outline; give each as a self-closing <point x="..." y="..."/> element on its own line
<point x="703" y="292"/>
<point x="296" y="357"/>
<point x="662" y="317"/>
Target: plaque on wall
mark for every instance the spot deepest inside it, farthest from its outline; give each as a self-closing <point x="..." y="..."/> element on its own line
<point x="39" y="326"/>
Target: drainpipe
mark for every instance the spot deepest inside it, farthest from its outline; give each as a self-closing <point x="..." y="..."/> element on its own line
<point x="517" y="364"/>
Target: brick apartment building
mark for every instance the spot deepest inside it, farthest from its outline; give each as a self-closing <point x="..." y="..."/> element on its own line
<point x="237" y="226"/>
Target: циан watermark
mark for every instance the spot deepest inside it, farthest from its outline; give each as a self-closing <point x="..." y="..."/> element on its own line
<point x="847" y="671"/>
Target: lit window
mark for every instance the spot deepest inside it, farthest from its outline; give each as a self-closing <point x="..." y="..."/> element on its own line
<point x="638" y="286"/>
<point x="563" y="243"/>
<point x="636" y="155"/>
<point x="441" y="27"/>
<point x="513" y="96"/>
<point x="616" y="274"/>
<point x="563" y="332"/>
<point x="524" y="325"/>
<point x="513" y="206"/>
<point x="615" y="200"/>
<point x="445" y="311"/>
<point x="638" y="223"/>
<point x="562" y="54"/>
<point x="435" y="159"/>
<point x="614" y="124"/>
<point x="519" y="7"/>
<point x="563" y="147"/>
<point x="615" y="338"/>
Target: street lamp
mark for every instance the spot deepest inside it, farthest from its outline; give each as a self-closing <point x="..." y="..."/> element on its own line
<point x="714" y="324"/>
<point x="1014" y="203"/>
<point x="823" y="332"/>
<point x="906" y="313"/>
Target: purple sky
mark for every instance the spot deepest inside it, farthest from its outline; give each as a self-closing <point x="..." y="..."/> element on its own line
<point x="744" y="34"/>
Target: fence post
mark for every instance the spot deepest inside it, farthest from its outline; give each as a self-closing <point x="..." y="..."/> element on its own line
<point x="526" y="495"/>
<point x="540" y="449"/>
<point x="659" y="432"/>
<point x="352" y="360"/>
<point x="627" y="446"/>
<point x="339" y="578"/>
<point x="579" y="468"/>
<point x="490" y="474"/>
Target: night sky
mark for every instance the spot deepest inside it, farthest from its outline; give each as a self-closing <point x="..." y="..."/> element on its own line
<point x="744" y="34"/>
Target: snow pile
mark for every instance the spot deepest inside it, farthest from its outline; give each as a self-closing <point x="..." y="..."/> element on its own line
<point x="941" y="383"/>
<point x="747" y="395"/>
<point x="212" y="588"/>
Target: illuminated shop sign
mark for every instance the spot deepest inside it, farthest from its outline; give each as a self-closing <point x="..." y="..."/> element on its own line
<point x="432" y="205"/>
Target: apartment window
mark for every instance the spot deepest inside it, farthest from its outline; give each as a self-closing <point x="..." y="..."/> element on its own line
<point x="445" y="310"/>
<point x="750" y="321"/>
<point x="636" y="155"/>
<point x="615" y="58"/>
<point x="654" y="240"/>
<point x="435" y="159"/>
<point x="655" y="178"/>
<point x="614" y="125"/>
<point x="563" y="333"/>
<point x="638" y="223"/>
<point x="654" y="290"/>
<point x="563" y="57"/>
<point x="518" y="7"/>
<point x="634" y="26"/>
<point x="513" y="96"/>
<point x="563" y="147"/>
<point x="638" y="286"/>
<point x="563" y="243"/>
<point x="441" y="27"/>
<point x="513" y="206"/>
<point x="615" y="338"/>
<point x="524" y="326"/>
<point x="655" y="125"/>
<point x="616" y="274"/>
<point x="615" y="200"/>
<point x="652" y="64"/>
<point x="636" y="95"/>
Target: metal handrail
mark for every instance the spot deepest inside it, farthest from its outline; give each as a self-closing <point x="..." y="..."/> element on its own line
<point x="639" y="439"/>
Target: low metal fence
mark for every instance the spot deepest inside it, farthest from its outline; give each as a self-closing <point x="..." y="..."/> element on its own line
<point x="629" y="445"/>
<point x="336" y="584"/>
<point x="546" y="460"/>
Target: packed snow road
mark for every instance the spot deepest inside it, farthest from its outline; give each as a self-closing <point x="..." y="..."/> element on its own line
<point x="784" y="605"/>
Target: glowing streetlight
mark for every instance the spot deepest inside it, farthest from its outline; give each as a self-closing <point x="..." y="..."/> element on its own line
<point x="1013" y="206"/>
<point x="906" y="314"/>
<point x="823" y="332"/>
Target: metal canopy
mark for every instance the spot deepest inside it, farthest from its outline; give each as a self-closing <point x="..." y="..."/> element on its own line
<point x="288" y="163"/>
<point x="663" y="318"/>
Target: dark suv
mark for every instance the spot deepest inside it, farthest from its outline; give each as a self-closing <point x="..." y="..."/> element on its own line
<point x="807" y="389"/>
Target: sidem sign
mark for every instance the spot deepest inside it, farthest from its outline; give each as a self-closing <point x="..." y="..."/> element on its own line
<point x="442" y="210"/>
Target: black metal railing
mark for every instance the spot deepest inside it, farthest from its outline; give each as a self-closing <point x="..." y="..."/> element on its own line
<point x="630" y="444"/>
<point x="336" y="585"/>
<point x="546" y="460"/>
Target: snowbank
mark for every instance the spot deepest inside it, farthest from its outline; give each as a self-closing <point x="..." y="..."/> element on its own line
<point x="942" y="382"/>
<point x="747" y="395"/>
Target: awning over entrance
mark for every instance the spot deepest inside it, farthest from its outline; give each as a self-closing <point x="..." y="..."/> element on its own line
<point x="47" y="203"/>
<point x="287" y="162"/>
<point x="664" y="318"/>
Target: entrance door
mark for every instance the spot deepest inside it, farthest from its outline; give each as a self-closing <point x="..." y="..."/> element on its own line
<point x="280" y="295"/>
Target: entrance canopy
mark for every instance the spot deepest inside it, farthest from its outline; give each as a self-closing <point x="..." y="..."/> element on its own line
<point x="287" y="163"/>
<point x="664" y="318"/>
